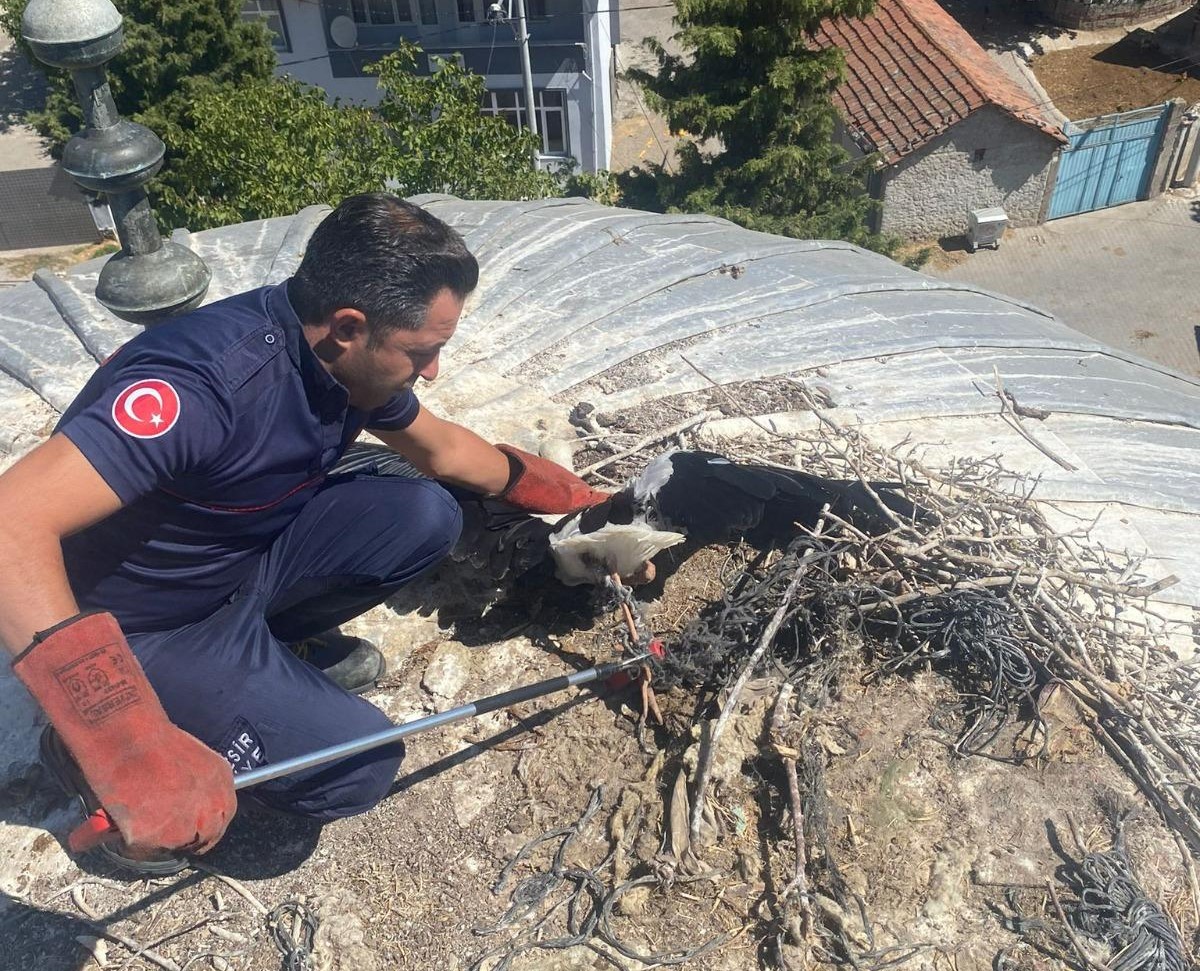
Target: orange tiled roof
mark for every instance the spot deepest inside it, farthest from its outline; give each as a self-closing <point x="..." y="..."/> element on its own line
<point x="912" y="71"/>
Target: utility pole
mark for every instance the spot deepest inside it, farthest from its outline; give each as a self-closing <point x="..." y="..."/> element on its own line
<point x="527" y="73"/>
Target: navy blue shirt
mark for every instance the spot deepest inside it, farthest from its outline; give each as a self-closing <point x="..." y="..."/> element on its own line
<point x="214" y="429"/>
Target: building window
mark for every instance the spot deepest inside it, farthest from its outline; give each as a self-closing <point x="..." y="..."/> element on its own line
<point x="381" y="11"/>
<point x="552" y="121"/>
<point x="429" y="14"/>
<point x="535" y="9"/>
<point x="269" y="13"/>
<point x="551" y="115"/>
<point x="466" y="11"/>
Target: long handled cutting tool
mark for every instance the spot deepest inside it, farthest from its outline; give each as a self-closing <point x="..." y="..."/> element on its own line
<point x="99" y="827"/>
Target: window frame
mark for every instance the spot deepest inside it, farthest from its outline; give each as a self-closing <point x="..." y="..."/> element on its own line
<point x="285" y="41"/>
<point x="516" y="111"/>
<point x="397" y="6"/>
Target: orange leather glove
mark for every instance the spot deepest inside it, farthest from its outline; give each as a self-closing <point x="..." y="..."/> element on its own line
<point x="538" y="485"/>
<point x="162" y="788"/>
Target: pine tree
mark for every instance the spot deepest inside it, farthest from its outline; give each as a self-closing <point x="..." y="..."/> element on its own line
<point x="751" y="93"/>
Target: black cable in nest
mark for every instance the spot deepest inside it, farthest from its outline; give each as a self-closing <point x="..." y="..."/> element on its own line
<point x="1111" y="909"/>
<point x="975" y="638"/>
<point x="293" y="927"/>
<point x="714" y="645"/>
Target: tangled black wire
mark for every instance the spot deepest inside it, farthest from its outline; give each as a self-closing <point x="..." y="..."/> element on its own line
<point x="714" y="645"/>
<point x="1111" y="909"/>
<point x="293" y="927"/>
<point x="584" y="899"/>
<point x="975" y="638"/>
<point x="1114" y="909"/>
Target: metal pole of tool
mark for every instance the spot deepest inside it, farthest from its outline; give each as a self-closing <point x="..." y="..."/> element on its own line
<point x="243" y="780"/>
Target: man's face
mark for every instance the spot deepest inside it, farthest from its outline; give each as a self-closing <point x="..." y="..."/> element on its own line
<point x="374" y="373"/>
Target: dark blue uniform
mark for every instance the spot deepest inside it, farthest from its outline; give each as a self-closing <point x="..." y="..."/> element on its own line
<point x="219" y="431"/>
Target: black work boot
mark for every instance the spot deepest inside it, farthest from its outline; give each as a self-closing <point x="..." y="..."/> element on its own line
<point x="351" y="662"/>
<point x="66" y="772"/>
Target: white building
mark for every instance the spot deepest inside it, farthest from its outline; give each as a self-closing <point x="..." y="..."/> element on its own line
<point x="328" y="42"/>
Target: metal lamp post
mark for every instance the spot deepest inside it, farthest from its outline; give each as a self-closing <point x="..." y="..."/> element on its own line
<point x="151" y="278"/>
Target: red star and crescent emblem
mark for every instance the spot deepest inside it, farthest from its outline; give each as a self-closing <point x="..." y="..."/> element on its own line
<point x="146" y="409"/>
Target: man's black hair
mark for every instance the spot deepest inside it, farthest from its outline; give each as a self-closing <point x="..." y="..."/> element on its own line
<point x="382" y="256"/>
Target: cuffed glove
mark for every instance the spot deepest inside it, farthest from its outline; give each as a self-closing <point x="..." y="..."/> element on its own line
<point x="538" y="485"/>
<point x="162" y="788"/>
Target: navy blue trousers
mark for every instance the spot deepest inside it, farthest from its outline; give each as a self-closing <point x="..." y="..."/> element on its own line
<point x="230" y="680"/>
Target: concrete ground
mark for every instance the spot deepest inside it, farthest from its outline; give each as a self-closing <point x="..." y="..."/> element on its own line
<point x="639" y="134"/>
<point x="22" y="87"/>
<point x="1126" y="275"/>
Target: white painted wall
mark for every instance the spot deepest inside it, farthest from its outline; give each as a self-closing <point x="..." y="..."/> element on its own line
<point x="928" y="194"/>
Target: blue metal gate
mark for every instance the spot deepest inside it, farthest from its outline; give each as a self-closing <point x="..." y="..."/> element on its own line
<point x="1109" y="161"/>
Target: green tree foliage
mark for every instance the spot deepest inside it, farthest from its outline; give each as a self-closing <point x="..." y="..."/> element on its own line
<point x="444" y="143"/>
<point x="269" y="148"/>
<point x="265" y="148"/>
<point x="242" y="144"/>
<point x="174" y="51"/>
<point x="752" y="93"/>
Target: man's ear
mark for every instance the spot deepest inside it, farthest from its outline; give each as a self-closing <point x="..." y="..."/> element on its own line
<point x="347" y="326"/>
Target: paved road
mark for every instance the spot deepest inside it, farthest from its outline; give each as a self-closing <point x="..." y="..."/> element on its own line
<point x="639" y="134"/>
<point x="1126" y="276"/>
<point x="21" y="88"/>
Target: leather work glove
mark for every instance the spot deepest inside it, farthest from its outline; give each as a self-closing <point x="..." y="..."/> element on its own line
<point x="161" y="788"/>
<point x="538" y="485"/>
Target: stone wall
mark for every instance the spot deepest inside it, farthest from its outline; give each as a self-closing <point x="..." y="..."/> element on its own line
<point x="989" y="159"/>
<point x="1095" y="14"/>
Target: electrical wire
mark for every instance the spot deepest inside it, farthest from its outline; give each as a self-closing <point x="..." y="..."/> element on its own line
<point x="645" y="114"/>
<point x="491" y="50"/>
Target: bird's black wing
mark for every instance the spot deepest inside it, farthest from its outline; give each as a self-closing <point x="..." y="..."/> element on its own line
<point x="616" y="510"/>
<point x="503" y="542"/>
<point x="714" y="499"/>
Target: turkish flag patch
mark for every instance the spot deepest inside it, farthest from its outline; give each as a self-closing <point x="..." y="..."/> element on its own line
<point x="146" y="409"/>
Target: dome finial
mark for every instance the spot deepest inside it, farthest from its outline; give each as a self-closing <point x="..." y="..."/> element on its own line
<point x="150" y="279"/>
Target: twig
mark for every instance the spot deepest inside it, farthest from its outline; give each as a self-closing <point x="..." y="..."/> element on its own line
<point x="799" y="882"/>
<point x="1083" y="955"/>
<point x="233" y="884"/>
<point x="676" y="429"/>
<point x="1009" y="414"/>
<point x="729" y="398"/>
<point x="138" y="950"/>
<point x="708" y="752"/>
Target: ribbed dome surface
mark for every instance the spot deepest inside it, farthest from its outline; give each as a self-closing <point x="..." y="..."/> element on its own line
<point x="629" y="310"/>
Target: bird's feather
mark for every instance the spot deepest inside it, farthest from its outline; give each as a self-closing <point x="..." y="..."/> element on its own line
<point x="588" y="557"/>
<point x="701" y="496"/>
<point x="713" y="499"/>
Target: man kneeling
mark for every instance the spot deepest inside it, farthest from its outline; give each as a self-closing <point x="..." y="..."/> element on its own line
<point x="180" y="552"/>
